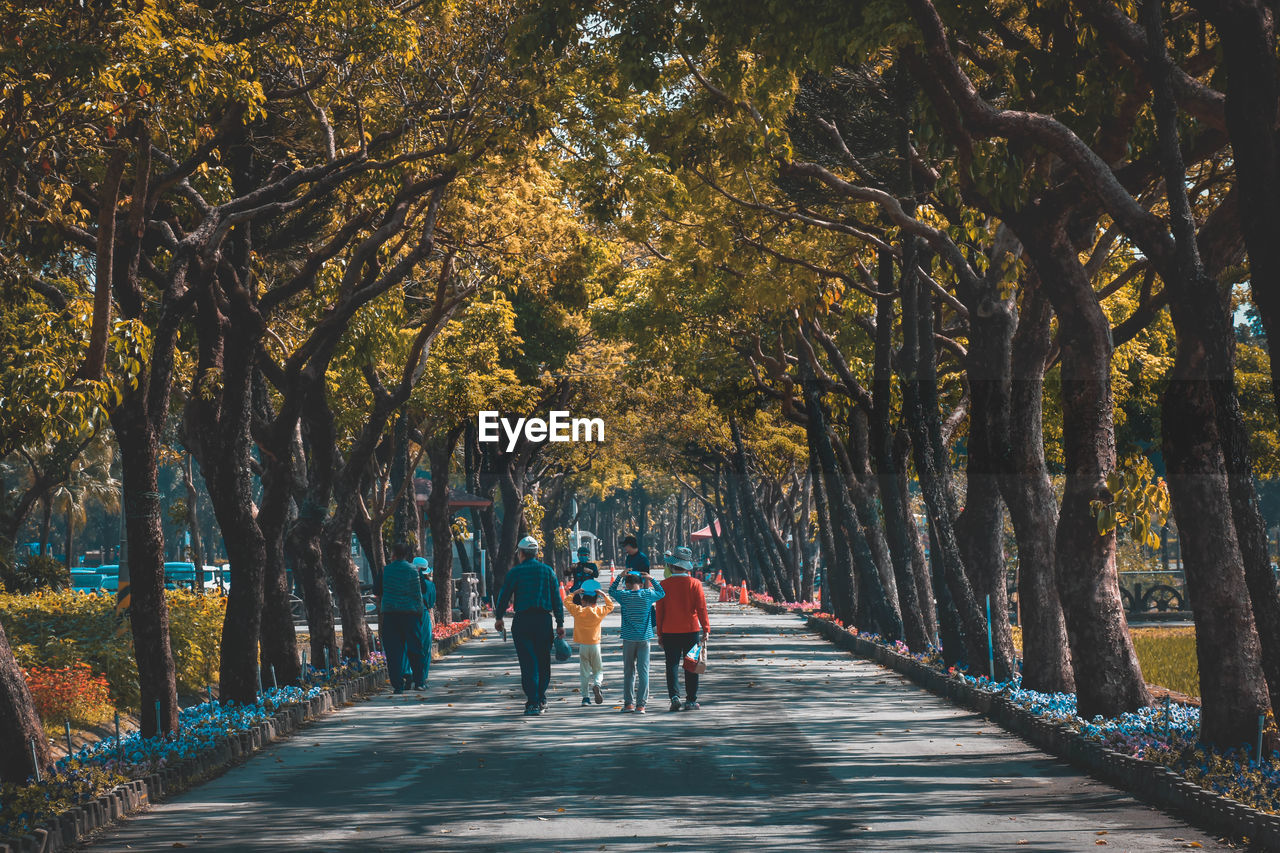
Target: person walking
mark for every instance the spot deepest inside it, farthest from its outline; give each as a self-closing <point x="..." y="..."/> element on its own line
<point x="428" y="626"/>
<point x="635" y="599"/>
<point x="636" y="560"/>
<point x="533" y="590"/>
<point x="681" y="624"/>
<point x="399" y="593"/>
<point x="588" y="613"/>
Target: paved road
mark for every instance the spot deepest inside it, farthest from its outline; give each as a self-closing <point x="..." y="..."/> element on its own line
<point x="798" y="747"/>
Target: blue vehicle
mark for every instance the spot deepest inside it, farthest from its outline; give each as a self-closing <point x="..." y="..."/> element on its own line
<point x="180" y="576"/>
<point x="90" y="582"/>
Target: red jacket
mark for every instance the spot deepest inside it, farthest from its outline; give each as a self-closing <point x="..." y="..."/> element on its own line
<point x="684" y="608"/>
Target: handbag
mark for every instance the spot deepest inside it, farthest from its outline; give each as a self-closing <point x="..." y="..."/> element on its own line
<point x="563" y="650"/>
<point x="695" y="660"/>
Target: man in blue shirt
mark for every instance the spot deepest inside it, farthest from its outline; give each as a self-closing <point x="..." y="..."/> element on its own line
<point x="401" y="606"/>
<point x="532" y="589"/>
<point x="636" y="560"/>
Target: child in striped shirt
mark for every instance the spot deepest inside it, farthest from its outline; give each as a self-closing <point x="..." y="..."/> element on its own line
<point x="635" y="600"/>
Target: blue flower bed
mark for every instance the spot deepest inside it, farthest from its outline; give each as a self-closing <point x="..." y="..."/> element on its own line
<point x="97" y="767"/>
<point x="200" y="727"/>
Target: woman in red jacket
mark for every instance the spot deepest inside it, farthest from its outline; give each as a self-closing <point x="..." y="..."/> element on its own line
<point x="682" y="624"/>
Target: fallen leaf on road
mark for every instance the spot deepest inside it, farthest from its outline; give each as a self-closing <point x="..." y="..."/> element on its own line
<point x="1101" y="841"/>
<point x="178" y="844"/>
<point x="560" y="810"/>
<point x="1194" y="844"/>
<point x="1023" y="841"/>
<point x="1101" y="832"/>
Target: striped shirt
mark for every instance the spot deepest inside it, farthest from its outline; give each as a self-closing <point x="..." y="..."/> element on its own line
<point x="636" y="606"/>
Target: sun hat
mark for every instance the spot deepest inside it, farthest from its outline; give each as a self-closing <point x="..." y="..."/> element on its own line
<point x="683" y="557"/>
<point x="421" y="563"/>
<point x="528" y="543"/>
<point x="590" y="587"/>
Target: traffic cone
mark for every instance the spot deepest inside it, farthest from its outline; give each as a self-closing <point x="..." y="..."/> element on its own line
<point x="720" y="578"/>
<point x="742" y="594"/>
<point x="724" y="593"/>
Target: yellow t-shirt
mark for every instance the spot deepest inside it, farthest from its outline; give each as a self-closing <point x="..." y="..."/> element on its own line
<point x="587" y="619"/>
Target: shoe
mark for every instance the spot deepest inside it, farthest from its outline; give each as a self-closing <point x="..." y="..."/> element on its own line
<point x="533" y="711"/>
<point x="586" y="702"/>
<point x="675" y="703"/>
<point x="420" y="687"/>
<point x="397" y="691"/>
<point x="597" y="693"/>
<point x="542" y="709"/>
<point x="627" y="709"/>
<point x="639" y="709"/>
<point x="692" y="706"/>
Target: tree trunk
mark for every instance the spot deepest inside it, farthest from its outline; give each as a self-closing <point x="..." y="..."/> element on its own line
<point x="980" y="527"/>
<point x="931" y="602"/>
<point x="1247" y="35"/>
<point x="837" y="596"/>
<point x="19" y="722"/>
<point x="897" y="521"/>
<point x="1227" y="647"/>
<point x="46" y="524"/>
<point x="920" y="404"/>
<point x="883" y="616"/>
<point x="800" y="539"/>
<point x="1108" y="677"/>
<point x="304" y="547"/>
<point x="510" y="475"/>
<point x="69" y="540"/>
<point x="405" y="524"/>
<point x="440" y="453"/>
<point x="345" y="577"/>
<point x="278" y="641"/>
<point x="139" y="440"/>
<point x="193" y="521"/>
<point x="1246" y="31"/>
<point x="1033" y="507"/>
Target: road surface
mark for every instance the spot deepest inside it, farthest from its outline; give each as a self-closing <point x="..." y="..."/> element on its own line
<point x="798" y="747"/>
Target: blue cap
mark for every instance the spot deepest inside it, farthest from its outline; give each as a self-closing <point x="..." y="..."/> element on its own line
<point x="590" y="587"/>
<point x="421" y="563"/>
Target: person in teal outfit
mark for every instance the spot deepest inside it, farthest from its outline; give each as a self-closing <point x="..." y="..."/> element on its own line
<point x="428" y="609"/>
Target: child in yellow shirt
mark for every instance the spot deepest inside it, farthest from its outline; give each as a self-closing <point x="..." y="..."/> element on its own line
<point x="589" y="606"/>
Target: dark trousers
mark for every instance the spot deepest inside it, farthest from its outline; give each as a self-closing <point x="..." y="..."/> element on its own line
<point x="428" y="646"/>
<point x="401" y="638"/>
<point x="531" y="633"/>
<point x="674" y="647"/>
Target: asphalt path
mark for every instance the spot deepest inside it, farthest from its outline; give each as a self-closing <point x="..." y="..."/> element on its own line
<point x="798" y="747"/>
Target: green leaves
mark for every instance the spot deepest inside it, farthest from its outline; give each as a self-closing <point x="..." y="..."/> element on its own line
<point x="1139" y="503"/>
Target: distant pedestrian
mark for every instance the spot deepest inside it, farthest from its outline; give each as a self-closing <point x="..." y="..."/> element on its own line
<point x="681" y="624"/>
<point x="532" y="589"/>
<point x="428" y="620"/>
<point x="399" y="593"/>
<point x="636" y="600"/>
<point x="588" y="611"/>
<point x="583" y="570"/>
<point x="636" y="560"/>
